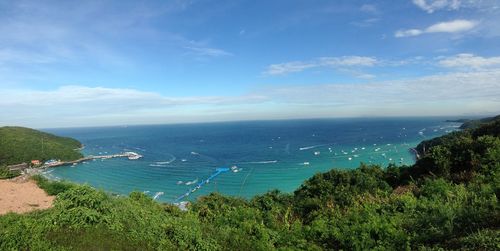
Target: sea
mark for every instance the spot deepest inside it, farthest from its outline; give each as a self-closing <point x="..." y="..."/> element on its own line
<point x="259" y="155"/>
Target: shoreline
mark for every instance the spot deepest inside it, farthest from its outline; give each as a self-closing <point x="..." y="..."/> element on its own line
<point x="33" y="171"/>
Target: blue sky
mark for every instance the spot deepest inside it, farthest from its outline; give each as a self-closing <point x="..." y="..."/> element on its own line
<point x="91" y="63"/>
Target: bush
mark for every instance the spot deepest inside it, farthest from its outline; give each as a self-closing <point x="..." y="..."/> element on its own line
<point x="6" y="174"/>
<point x="52" y="187"/>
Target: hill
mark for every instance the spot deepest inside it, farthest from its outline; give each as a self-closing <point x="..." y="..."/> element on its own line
<point x="478" y="127"/>
<point x="471" y="124"/>
<point x="448" y="200"/>
<point x="19" y="144"/>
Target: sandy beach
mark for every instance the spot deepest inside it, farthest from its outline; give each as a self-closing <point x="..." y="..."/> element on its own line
<point x="21" y="196"/>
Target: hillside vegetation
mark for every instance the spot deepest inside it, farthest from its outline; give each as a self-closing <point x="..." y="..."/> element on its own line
<point x="471" y="124"/>
<point x="19" y="144"/>
<point x="447" y="200"/>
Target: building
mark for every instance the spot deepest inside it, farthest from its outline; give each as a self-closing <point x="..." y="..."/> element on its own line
<point x="35" y="162"/>
<point x="52" y="162"/>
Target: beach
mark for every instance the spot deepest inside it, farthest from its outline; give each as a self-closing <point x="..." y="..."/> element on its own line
<point x="20" y="196"/>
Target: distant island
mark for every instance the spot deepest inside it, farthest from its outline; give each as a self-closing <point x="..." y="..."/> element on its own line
<point x="447" y="200"/>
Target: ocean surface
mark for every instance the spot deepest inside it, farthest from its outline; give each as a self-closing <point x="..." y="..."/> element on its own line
<point x="264" y="155"/>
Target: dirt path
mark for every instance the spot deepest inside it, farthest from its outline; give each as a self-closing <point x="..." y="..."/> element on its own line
<point x="20" y="196"/>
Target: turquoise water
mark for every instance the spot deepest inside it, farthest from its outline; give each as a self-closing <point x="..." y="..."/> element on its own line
<point x="267" y="154"/>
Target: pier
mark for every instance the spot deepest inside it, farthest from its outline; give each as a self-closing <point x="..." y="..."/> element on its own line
<point x="129" y="155"/>
<point x="203" y="182"/>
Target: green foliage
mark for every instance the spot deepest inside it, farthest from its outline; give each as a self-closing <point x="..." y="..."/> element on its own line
<point x="6" y="174"/>
<point x="448" y="200"/>
<point x="481" y="240"/>
<point x="339" y="188"/>
<point x="18" y="144"/>
<point x="52" y="187"/>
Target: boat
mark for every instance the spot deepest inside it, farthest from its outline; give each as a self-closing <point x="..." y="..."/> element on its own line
<point x="306" y="163"/>
<point x="133" y="155"/>
<point x="191" y="182"/>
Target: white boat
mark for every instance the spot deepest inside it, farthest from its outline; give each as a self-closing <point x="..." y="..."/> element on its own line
<point x="191" y="182"/>
<point x="317" y="153"/>
<point x="133" y="156"/>
<point x="306" y="163"/>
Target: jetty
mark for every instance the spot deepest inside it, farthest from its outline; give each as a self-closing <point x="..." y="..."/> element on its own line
<point x="203" y="182"/>
<point x="129" y="155"/>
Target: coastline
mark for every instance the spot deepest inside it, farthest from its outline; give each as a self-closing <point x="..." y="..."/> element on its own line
<point x="325" y="165"/>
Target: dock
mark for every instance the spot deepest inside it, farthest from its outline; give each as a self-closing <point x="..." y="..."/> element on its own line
<point x="203" y="182"/>
<point x="129" y="155"/>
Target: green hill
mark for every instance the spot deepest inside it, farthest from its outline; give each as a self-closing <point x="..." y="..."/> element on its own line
<point x="19" y="144"/>
<point x="448" y="200"/>
<point x="471" y="124"/>
<point x="478" y="127"/>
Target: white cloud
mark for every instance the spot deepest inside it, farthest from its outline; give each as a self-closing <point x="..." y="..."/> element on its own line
<point x="207" y="52"/>
<point x="471" y="92"/>
<point x="289" y="67"/>
<point x="452" y="26"/>
<point x="466" y="86"/>
<point x="369" y="8"/>
<point x="455" y="26"/>
<point x="333" y="62"/>
<point x="82" y="105"/>
<point x="348" y="61"/>
<point x="108" y="98"/>
<point x="469" y="61"/>
<point x="408" y="33"/>
<point x="36" y="32"/>
<point x="432" y="5"/>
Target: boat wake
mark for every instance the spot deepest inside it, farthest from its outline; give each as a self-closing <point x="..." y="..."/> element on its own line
<point x="310" y="147"/>
<point x="260" y="162"/>
<point x="164" y="163"/>
<point x="157" y="195"/>
<point x="157" y="165"/>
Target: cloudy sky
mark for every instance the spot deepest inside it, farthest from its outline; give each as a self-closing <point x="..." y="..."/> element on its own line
<point x="93" y="63"/>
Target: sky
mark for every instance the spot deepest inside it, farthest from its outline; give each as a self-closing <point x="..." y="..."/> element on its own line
<point x="99" y="63"/>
